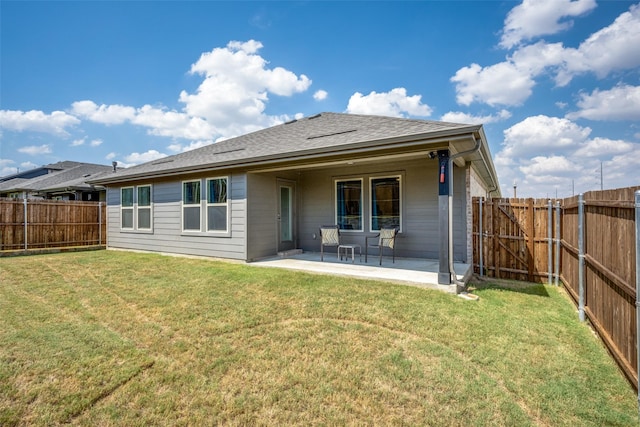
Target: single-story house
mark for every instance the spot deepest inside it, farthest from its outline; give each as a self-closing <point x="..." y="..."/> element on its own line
<point x="66" y="180"/>
<point x="269" y="191"/>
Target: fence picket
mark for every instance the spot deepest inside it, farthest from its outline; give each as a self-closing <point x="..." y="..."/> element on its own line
<point x="518" y="245"/>
<point x="50" y="224"/>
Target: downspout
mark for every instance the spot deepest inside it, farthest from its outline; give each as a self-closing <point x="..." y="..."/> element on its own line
<point x="454" y="276"/>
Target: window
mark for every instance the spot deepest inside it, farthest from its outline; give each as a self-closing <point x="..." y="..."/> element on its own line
<point x="349" y="204"/>
<point x="385" y="202"/>
<point x="191" y="206"/>
<point x="135" y="208"/>
<point x="144" y="207"/>
<point x="126" y="208"/>
<point x="217" y="208"/>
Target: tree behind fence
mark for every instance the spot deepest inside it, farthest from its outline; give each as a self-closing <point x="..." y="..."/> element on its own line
<point x="514" y="243"/>
<point x="51" y="224"/>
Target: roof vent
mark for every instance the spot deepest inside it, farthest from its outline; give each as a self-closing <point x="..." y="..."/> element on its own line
<point x="230" y="150"/>
<point x="314" y="117"/>
<point x="332" y="134"/>
<point x="159" y="162"/>
<point x="115" y="165"/>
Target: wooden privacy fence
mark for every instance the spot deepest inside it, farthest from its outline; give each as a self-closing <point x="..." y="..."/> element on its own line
<point x="587" y="241"/>
<point x="27" y="224"/>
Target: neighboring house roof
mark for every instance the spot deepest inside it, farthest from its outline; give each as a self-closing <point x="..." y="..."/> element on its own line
<point x="12" y="184"/>
<point x="323" y="134"/>
<point x="72" y="178"/>
<point x="42" y="170"/>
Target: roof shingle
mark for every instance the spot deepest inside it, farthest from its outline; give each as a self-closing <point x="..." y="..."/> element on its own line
<point x="320" y="133"/>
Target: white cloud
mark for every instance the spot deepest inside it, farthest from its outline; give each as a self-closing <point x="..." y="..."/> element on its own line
<point x="160" y="121"/>
<point x="55" y="123"/>
<point x="598" y="146"/>
<point x="533" y="18"/>
<point x="543" y="134"/>
<point x="394" y="103"/>
<point x="172" y="123"/>
<point x="148" y="156"/>
<point x="500" y="84"/>
<point x="460" y="117"/>
<point x="320" y="95"/>
<point x="511" y="82"/>
<point x="6" y="167"/>
<point x="180" y="148"/>
<point x="612" y="48"/>
<point x="230" y="101"/>
<point x="620" y="103"/>
<point x="111" y="156"/>
<point x="105" y="114"/>
<point x="78" y="142"/>
<point x="233" y="96"/>
<point x="96" y="142"/>
<point x="544" y="153"/>
<point x="34" y="150"/>
<point x="542" y="166"/>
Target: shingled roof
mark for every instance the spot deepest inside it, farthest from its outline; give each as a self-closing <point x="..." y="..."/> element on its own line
<point x="322" y="133"/>
<point x="73" y="175"/>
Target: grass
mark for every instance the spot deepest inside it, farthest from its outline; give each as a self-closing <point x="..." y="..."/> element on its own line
<point x="118" y="338"/>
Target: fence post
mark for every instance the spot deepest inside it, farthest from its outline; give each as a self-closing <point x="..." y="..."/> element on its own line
<point x="481" y="236"/>
<point x="558" y="211"/>
<point x="581" y="257"/>
<point x="99" y="223"/>
<point x="637" y="200"/>
<point x="550" y="233"/>
<point x="25" y="223"/>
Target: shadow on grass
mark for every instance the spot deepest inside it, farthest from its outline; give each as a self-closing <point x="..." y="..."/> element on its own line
<point x="528" y="288"/>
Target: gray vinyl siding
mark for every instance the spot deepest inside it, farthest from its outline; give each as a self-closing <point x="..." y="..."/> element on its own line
<point x="420" y="231"/>
<point x="253" y="226"/>
<point x="167" y="235"/>
<point x="261" y="225"/>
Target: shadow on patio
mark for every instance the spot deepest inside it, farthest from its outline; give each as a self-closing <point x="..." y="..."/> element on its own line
<point x="409" y="271"/>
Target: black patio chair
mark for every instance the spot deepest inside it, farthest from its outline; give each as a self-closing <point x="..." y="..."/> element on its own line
<point x="385" y="239"/>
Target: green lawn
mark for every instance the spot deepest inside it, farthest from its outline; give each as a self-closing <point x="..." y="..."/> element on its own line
<point x="119" y="338"/>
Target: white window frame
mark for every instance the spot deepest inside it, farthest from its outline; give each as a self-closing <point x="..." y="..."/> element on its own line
<point x="362" y="206"/>
<point x="191" y="205"/>
<point x="225" y="204"/>
<point x="138" y="208"/>
<point x="131" y="208"/>
<point x="400" y="199"/>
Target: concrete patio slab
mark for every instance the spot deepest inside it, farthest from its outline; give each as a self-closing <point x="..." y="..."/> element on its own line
<point x="409" y="271"/>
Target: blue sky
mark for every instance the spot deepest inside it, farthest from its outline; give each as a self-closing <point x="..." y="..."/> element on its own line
<point x="556" y="83"/>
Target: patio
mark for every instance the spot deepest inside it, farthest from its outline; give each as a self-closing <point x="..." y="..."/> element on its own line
<point x="408" y="271"/>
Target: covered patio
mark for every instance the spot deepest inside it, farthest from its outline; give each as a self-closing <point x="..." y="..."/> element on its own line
<point x="408" y="271"/>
